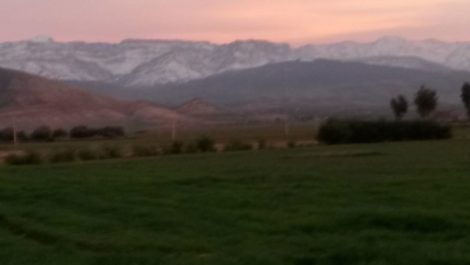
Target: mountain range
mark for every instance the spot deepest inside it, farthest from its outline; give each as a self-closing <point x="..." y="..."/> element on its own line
<point x="146" y="63"/>
<point x="321" y="86"/>
<point x="202" y="79"/>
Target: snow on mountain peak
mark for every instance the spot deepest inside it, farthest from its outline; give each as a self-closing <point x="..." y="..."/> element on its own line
<point x="150" y="62"/>
<point x="41" y="39"/>
<point x="391" y="39"/>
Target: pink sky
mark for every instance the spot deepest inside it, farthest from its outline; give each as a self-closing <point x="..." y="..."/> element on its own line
<point x="294" y="21"/>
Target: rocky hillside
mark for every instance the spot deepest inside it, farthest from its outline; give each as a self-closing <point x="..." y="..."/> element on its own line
<point x="198" y="107"/>
<point x="29" y="101"/>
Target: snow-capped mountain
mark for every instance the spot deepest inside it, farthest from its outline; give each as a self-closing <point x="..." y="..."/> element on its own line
<point x="199" y="61"/>
<point x="407" y="62"/>
<point x="452" y="55"/>
<point x="139" y="63"/>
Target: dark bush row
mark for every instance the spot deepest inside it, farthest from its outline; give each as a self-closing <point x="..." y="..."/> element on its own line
<point x="28" y="158"/>
<point x="86" y="154"/>
<point x="357" y="131"/>
<point x="237" y="145"/>
<point x="202" y="144"/>
<point x="64" y="155"/>
<point x="82" y="132"/>
<point x="46" y="134"/>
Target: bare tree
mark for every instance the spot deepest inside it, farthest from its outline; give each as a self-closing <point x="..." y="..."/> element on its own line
<point x="399" y="106"/>
<point x="466" y="97"/>
<point x="425" y="101"/>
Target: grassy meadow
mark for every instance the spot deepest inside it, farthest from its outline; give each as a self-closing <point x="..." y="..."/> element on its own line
<point x="396" y="203"/>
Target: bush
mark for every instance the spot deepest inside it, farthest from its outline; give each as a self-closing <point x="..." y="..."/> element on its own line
<point x="357" y="131"/>
<point x="110" y="132"/>
<point x="110" y="152"/>
<point x="63" y="156"/>
<point x="59" y="134"/>
<point x="6" y="135"/>
<point x="291" y="144"/>
<point x="237" y="145"/>
<point x="191" y="148"/>
<point x="28" y="158"/>
<point x="175" y="148"/>
<point x="87" y="154"/>
<point x="22" y="136"/>
<point x="80" y="132"/>
<point x="145" y="151"/>
<point x="42" y="134"/>
<point x="261" y="144"/>
<point x="205" y="144"/>
<point x="334" y="132"/>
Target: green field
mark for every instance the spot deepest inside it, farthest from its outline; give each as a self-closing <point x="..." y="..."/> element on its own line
<point x="398" y="203"/>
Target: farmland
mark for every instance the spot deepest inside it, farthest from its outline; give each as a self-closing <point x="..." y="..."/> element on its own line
<point x="397" y="203"/>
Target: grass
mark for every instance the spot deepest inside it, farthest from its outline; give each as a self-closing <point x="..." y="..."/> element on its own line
<point x="400" y="203"/>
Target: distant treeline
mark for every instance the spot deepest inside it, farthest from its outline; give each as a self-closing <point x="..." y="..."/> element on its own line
<point x="357" y="131"/>
<point x="47" y="134"/>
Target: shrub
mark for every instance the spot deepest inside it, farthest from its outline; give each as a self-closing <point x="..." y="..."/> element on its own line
<point x="356" y="131"/>
<point x="335" y="132"/>
<point x="87" y="154"/>
<point x="291" y="144"/>
<point x="237" y="145"/>
<point x="6" y="135"/>
<point x="175" y="148"/>
<point x="191" y="148"/>
<point x="110" y="152"/>
<point x="22" y="136"/>
<point x="145" y="151"/>
<point x="80" y="132"/>
<point x="42" y="134"/>
<point x="27" y="158"/>
<point x="59" y="134"/>
<point x="63" y="156"/>
<point x="110" y="132"/>
<point x="261" y="144"/>
<point x="205" y="144"/>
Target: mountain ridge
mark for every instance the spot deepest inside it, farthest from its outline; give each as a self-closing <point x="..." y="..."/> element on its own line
<point x="139" y="63"/>
<point x="324" y="86"/>
<point x="30" y="101"/>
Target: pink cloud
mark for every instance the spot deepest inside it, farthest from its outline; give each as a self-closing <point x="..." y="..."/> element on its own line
<point x="226" y="20"/>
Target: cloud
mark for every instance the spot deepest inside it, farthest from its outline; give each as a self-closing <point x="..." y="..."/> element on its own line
<point x="226" y="20"/>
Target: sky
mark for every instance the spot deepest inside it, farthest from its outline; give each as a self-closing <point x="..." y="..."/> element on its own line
<point x="221" y="21"/>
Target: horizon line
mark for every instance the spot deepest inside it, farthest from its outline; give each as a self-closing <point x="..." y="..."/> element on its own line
<point x="50" y="39"/>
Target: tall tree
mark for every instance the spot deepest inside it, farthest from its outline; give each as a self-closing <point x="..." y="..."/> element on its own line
<point x="466" y="97"/>
<point x="399" y="106"/>
<point x="425" y="101"/>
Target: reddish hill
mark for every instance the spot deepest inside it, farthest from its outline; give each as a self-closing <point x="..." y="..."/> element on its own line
<point x="30" y="101"/>
<point x="198" y="107"/>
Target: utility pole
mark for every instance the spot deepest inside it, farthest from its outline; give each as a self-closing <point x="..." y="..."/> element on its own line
<point x="174" y="128"/>
<point x="15" y="137"/>
<point x="286" y="128"/>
